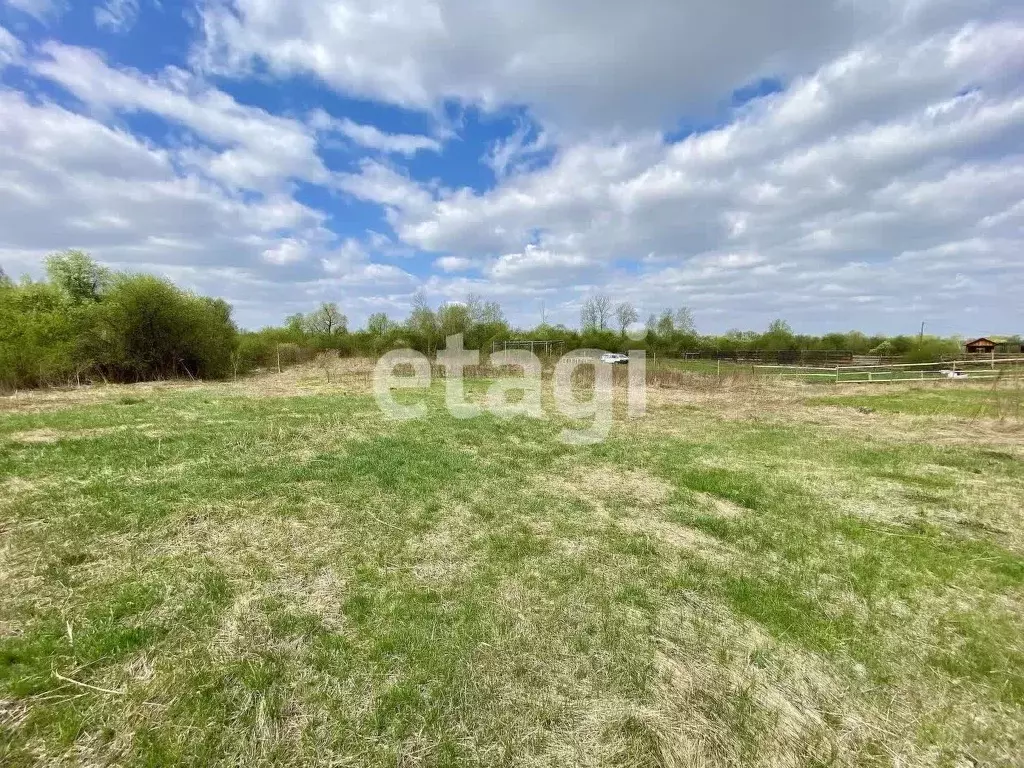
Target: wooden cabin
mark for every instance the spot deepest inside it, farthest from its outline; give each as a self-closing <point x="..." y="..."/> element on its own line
<point x="980" y="346"/>
<point x="988" y="344"/>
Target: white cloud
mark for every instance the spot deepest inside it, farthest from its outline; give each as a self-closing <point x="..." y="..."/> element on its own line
<point x="371" y="137"/>
<point x="116" y="15"/>
<point x="287" y="251"/>
<point x="42" y="10"/>
<point x="349" y="265"/>
<point x="349" y="254"/>
<point x="581" y="63"/>
<point x="11" y="49"/>
<point x="453" y="264"/>
<point x="882" y="152"/>
<point x="67" y="180"/>
<point x="880" y="186"/>
<point x="537" y="265"/>
<point x="382" y="184"/>
<point x="515" y="152"/>
<point x="263" y="150"/>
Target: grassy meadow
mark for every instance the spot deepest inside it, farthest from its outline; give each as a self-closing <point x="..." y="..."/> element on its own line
<point x="270" y="573"/>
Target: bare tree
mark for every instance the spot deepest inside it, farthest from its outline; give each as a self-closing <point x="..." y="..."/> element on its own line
<point x="603" y="305"/>
<point x="325" y="361"/>
<point x="596" y="313"/>
<point x="588" y="315"/>
<point x="422" y="321"/>
<point x="684" y="320"/>
<point x="626" y="315"/>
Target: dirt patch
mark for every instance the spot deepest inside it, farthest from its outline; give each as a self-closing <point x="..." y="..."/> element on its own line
<point x="16" y="486"/>
<point x="51" y="436"/>
<point x="36" y="437"/>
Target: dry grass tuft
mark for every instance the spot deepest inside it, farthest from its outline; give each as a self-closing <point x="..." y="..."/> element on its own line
<point x="607" y="482"/>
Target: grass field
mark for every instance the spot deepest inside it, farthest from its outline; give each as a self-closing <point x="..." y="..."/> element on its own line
<point x="269" y="573"/>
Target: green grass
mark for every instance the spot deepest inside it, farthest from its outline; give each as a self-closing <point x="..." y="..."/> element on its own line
<point x="197" y="577"/>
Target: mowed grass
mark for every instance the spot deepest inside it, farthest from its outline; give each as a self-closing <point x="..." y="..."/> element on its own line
<point x="214" y="576"/>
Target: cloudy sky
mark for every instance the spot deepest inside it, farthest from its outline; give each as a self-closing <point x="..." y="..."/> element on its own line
<point x="839" y="164"/>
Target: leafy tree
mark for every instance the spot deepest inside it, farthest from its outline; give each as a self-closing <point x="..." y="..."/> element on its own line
<point x="74" y="272"/>
<point x="38" y="335"/>
<point x="379" y="325"/>
<point x="296" y="324"/>
<point x="453" y="318"/>
<point x="778" y="337"/>
<point x="327" y="320"/>
<point x="666" y="324"/>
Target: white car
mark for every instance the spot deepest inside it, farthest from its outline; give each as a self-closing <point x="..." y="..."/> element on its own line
<point x="614" y="358"/>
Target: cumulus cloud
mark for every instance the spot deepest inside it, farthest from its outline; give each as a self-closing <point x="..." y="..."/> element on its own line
<point x="582" y="63"/>
<point x="453" y="264"/>
<point x="68" y="180"/>
<point x="262" y="150"/>
<point x="515" y="152"/>
<point x="287" y="251"/>
<point x="382" y="184"/>
<point x="881" y="152"/>
<point x="537" y="265"/>
<point x="870" y="173"/>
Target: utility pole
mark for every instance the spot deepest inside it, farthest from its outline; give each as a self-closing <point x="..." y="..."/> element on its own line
<point x="543" y="313"/>
<point x="920" y="338"/>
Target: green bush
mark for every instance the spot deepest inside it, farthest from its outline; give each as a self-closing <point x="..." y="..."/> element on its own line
<point x="86" y="323"/>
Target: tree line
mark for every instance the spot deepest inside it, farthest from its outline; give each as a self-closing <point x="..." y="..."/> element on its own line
<point x="86" y="323"/>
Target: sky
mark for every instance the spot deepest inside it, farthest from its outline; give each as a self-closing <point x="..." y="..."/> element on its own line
<point x="838" y="164"/>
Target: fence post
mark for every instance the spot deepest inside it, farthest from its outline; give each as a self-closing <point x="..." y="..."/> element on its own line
<point x="837" y="374"/>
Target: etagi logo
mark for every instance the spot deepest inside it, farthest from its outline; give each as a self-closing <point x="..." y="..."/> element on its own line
<point x="455" y="359"/>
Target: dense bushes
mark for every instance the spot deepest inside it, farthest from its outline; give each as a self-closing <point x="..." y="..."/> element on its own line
<point x="85" y="324"/>
<point x="147" y="328"/>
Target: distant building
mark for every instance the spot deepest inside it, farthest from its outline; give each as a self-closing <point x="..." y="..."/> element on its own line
<point x="990" y="344"/>
<point x="979" y="346"/>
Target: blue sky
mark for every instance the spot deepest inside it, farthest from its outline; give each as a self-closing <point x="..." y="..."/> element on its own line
<point x="862" y="168"/>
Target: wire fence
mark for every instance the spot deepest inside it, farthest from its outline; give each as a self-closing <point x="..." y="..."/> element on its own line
<point x="976" y="369"/>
